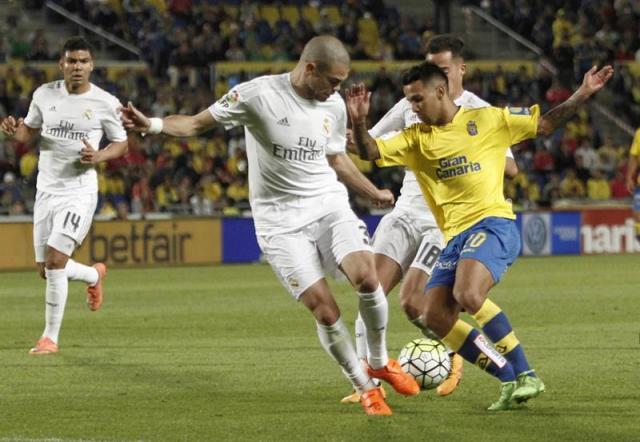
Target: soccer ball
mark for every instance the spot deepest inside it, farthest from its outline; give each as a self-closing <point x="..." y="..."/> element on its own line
<point x="427" y="361"/>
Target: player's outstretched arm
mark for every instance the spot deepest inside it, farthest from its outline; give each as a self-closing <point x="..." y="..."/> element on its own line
<point x="17" y="130"/>
<point x="557" y="117"/>
<point x="174" y="125"/>
<point x="358" y="106"/>
<point x="351" y="176"/>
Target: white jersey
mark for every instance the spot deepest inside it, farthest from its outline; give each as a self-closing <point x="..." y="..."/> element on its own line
<point x="288" y="137"/>
<point x="65" y="119"/>
<point x="401" y="116"/>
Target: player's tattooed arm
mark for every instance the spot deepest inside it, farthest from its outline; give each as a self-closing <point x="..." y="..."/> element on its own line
<point x="557" y="117"/>
<point x="358" y="106"/>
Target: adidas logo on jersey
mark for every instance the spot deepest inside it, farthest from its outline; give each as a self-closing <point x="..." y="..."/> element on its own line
<point x="283" y="122"/>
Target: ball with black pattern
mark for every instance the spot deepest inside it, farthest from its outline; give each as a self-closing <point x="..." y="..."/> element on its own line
<point x="427" y="361"/>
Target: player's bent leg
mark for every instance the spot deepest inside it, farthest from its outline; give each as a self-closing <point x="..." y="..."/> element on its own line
<point x="412" y="300"/>
<point x="389" y="272"/>
<point x="496" y="326"/>
<point x="462" y="338"/>
<point x="95" y="294"/>
<point x="79" y="272"/>
<point x="41" y="270"/>
<point x="336" y="341"/>
<point x="472" y="284"/>
<point x="373" y="307"/>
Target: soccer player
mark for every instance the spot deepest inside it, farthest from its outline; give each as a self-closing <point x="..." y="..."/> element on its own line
<point x="71" y="116"/>
<point x="407" y="242"/>
<point x="633" y="185"/>
<point x="458" y="156"/>
<point x="295" y="128"/>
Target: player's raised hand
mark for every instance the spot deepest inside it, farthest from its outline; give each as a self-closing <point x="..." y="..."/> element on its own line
<point x="384" y="198"/>
<point x="595" y="79"/>
<point x="358" y="98"/>
<point x="89" y="155"/>
<point x="10" y="125"/>
<point x="133" y="119"/>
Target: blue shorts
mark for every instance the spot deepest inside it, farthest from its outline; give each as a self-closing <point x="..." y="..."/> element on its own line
<point x="636" y="200"/>
<point x="495" y="242"/>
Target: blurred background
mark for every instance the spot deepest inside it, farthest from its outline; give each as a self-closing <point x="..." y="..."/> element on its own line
<point x="179" y="56"/>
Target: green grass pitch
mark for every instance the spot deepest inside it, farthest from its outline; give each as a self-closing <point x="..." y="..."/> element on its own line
<point x="223" y="353"/>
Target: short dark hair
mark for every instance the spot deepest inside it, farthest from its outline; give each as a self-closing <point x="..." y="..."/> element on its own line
<point x="424" y="72"/>
<point x="446" y="42"/>
<point x="76" y="44"/>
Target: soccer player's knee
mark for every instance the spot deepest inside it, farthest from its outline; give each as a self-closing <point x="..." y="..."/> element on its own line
<point x="41" y="272"/>
<point x="365" y="280"/>
<point x="409" y="305"/>
<point x="326" y="315"/>
<point x="439" y="320"/>
<point x="56" y="261"/>
<point x="470" y="298"/>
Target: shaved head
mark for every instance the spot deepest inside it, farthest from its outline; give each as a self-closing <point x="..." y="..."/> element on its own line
<point x="325" y="51"/>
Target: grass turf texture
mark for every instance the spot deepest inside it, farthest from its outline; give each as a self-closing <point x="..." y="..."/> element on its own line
<point x="223" y="353"/>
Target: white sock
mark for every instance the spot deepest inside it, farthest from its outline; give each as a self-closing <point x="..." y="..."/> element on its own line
<point x="375" y="314"/>
<point x="56" y="299"/>
<point x="361" y="338"/>
<point x="336" y="341"/>
<point x="80" y="272"/>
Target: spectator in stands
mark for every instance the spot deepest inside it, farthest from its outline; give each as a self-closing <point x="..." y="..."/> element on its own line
<point x="181" y="66"/>
<point x="142" y="196"/>
<point x="238" y="192"/>
<point x="598" y="187"/>
<point x="571" y="186"/>
<point x="619" y="186"/>
<point x="166" y="194"/>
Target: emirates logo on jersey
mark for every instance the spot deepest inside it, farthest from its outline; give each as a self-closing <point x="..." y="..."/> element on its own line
<point x="65" y="129"/>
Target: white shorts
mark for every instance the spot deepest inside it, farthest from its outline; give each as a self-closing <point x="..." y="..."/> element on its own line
<point x="302" y="257"/>
<point x="61" y="221"/>
<point x="408" y="240"/>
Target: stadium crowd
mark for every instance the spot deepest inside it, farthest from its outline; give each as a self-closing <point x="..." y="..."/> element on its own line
<point x="208" y="175"/>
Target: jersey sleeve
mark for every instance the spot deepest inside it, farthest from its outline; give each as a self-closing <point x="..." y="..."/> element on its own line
<point x="522" y="122"/>
<point x="635" y="146"/>
<point x="111" y="124"/>
<point x="233" y="108"/>
<point x="397" y="150"/>
<point x="392" y="121"/>
<point x="338" y="136"/>
<point x="34" y="115"/>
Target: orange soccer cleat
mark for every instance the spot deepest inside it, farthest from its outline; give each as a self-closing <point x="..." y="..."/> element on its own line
<point x="94" y="292"/>
<point x="354" y="396"/>
<point x="401" y="382"/>
<point x="374" y="404"/>
<point x="44" y="346"/>
<point x="453" y="380"/>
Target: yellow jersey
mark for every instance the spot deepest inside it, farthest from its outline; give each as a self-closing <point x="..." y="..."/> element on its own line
<point x="635" y="148"/>
<point x="460" y="165"/>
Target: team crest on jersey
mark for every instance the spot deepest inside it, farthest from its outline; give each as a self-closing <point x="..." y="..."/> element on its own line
<point x="230" y="99"/>
<point x="293" y="282"/>
<point x="519" y="111"/>
<point x="472" y="128"/>
<point x="88" y="114"/>
<point x="326" y="126"/>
